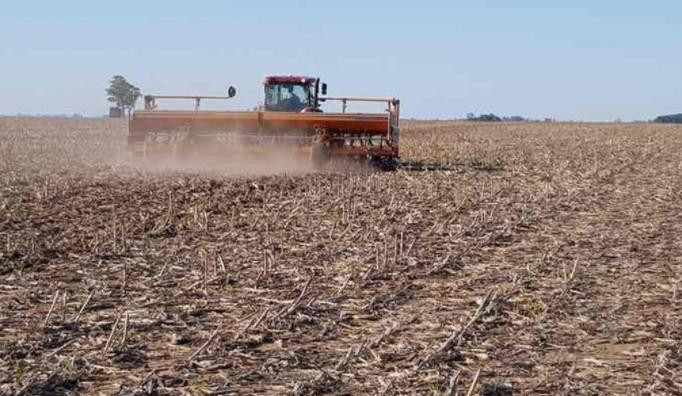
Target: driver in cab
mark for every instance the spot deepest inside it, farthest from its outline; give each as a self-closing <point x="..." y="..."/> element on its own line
<point x="293" y="102"/>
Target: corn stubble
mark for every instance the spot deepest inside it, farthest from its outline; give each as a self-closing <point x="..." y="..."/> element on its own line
<point x="503" y="259"/>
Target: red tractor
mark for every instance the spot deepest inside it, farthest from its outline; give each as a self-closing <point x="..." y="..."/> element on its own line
<point x="291" y="117"/>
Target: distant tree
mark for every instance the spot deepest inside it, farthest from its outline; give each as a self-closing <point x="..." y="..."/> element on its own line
<point x="669" y="119"/>
<point x="515" y="118"/>
<point x="123" y="94"/>
<point x="483" y="117"/>
<point x="488" y="118"/>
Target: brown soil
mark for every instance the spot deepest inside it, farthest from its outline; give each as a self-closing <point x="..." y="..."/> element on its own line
<point x="510" y="258"/>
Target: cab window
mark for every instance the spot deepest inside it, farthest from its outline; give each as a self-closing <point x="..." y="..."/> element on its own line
<point x="286" y="97"/>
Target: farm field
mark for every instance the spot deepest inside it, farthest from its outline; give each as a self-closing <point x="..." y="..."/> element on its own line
<point x="524" y="259"/>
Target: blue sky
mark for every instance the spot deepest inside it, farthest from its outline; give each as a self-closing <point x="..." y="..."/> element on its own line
<point x="569" y="60"/>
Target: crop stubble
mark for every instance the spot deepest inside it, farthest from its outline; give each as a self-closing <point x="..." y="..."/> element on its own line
<point x="524" y="258"/>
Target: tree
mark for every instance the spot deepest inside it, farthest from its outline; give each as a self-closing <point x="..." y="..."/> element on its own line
<point x="515" y="118"/>
<point x="123" y="93"/>
<point x="483" y="117"/>
<point x="488" y="118"/>
<point x="669" y="119"/>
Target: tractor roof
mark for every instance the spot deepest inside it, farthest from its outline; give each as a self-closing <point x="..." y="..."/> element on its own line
<point x="289" y="80"/>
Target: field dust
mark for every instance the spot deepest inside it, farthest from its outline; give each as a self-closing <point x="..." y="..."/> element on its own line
<point x="230" y="160"/>
<point x="505" y="259"/>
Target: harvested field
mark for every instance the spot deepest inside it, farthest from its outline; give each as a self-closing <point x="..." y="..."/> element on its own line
<point x="509" y="259"/>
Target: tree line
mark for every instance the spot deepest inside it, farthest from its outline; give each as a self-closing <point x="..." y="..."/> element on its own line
<point x="669" y="119"/>
<point x="490" y="117"/>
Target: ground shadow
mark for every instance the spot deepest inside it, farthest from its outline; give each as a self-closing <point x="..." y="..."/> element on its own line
<point x="426" y="166"/>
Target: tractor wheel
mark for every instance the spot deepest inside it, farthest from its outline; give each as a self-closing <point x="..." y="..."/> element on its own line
<point x="384" y="164"/>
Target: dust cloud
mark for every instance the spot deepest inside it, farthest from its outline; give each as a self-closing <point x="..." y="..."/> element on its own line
<point x="234" y="160"/>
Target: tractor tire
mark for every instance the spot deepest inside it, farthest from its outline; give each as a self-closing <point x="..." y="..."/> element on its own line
<point x="384" y="164"/>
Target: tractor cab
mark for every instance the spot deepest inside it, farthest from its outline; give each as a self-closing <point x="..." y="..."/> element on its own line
<point x="293" y="93"/>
